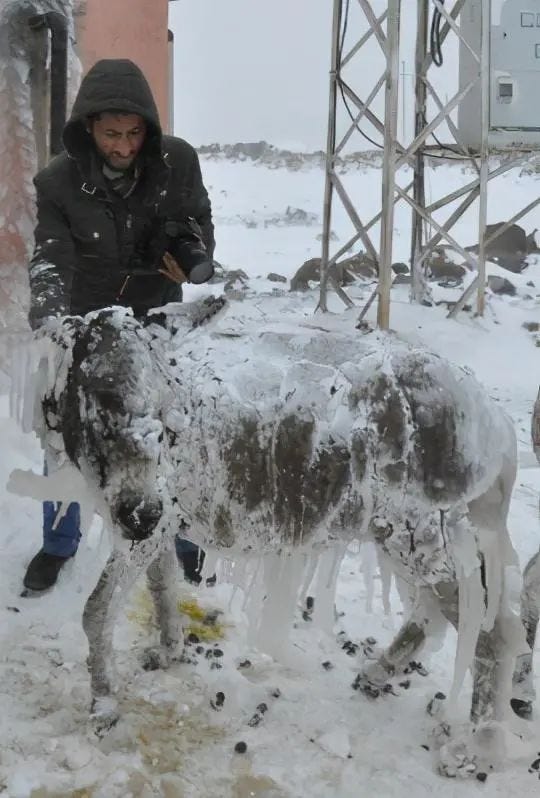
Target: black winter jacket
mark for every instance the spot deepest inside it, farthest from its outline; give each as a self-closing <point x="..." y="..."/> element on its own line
<point x="94" y="248"/>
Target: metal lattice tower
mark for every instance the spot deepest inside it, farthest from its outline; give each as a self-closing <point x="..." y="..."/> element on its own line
<point x="426" y="233"/>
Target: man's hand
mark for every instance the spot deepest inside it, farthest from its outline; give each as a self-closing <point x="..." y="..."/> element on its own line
<point x="172" y="270"/>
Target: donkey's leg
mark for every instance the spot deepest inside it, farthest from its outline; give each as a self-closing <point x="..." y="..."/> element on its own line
<point x="422" y="619"/>
<point x="163" y="576"/>
<point x="98" y="623"/>
<point x="523" y="687"/>
<point x="99" y="616"/>
<point x="489" y="675"/>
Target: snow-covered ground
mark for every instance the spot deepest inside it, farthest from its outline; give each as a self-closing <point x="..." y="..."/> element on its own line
<point x="318" y="737"/>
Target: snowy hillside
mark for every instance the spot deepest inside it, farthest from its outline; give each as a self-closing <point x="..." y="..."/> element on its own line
<point x="308" y="733"/>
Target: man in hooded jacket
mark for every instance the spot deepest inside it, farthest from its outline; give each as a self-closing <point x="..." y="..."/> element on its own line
<point x="103" y="208"/>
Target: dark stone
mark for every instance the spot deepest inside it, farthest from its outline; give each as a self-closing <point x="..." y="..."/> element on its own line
<point x="511" y="241"/>
<point x="251" y="149"/>
<point x="481" y="776"/>
<point x="298" y="216"/>
<point x="500" y="285"/>
<point x="400" y="268"/>
<point x="235" y="276"/>
<point x="360" y="265"/>
<point x="509" y="250"/>
<point x="402" y="279"/>
<point x="240" y="748"/>
<point x="309" y="272"/>
<point x="523" y="709"/>
<point x="276" y="278"/>
<point x="192" y="638"/>
<point x="345" y="272"/>
<point x="440" y="267"/>
<point x="532" y="246"/>
<point x="327" y="665"/>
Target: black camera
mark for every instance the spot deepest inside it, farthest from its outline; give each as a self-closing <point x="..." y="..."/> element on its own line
<point x="182" y="239"/>
<point x="184" y="242"/>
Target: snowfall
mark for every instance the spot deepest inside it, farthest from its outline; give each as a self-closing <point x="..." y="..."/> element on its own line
<point x="315" y="736"/>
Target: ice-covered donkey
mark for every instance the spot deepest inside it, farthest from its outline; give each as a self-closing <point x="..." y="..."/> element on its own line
<point x="265" y="434"/>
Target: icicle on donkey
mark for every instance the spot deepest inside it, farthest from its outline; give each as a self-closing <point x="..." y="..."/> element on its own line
<point x="524" y="692"/>
<point x="284" y="437"/>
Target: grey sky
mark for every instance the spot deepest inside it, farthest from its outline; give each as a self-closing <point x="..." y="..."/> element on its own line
<point x="251" y="69"/>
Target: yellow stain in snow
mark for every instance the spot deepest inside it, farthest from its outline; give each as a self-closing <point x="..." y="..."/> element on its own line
<point x="142" y="613"/>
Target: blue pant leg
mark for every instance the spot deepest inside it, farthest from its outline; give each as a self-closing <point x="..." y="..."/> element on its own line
<point x="63" y="541"/>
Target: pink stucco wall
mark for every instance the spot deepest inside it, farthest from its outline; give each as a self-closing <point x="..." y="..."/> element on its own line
<point x="135" y="29"/>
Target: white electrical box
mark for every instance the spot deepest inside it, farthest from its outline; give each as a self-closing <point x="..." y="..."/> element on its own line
<point x="514" y="108"/>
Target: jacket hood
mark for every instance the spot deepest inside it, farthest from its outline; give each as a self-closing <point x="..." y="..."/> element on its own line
<point x="112" y="85"/>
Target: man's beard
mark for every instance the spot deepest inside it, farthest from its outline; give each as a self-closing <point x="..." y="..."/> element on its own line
<point x="120" y="165"/>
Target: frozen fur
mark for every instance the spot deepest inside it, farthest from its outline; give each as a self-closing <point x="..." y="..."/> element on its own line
<point x="276" y="435"/>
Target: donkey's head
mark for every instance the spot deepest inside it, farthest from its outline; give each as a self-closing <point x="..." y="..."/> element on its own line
<point x="110" y="418"/>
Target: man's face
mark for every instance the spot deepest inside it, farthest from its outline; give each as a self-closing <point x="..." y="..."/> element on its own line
<point x="119" y="138"/>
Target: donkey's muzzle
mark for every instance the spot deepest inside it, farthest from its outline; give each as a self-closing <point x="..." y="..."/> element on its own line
<point x="138" y="518"/>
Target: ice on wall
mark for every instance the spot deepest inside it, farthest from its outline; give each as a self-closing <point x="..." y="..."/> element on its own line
<point x="18" y="152"/>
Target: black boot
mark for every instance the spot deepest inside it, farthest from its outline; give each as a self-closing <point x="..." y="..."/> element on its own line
<point x="43" y="571"/>
<point x="191" y="558"/>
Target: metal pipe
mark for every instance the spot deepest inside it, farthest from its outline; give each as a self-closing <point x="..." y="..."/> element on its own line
<point x="57" y="24"/>
<point x="330" y="152"/>
<point x="418" y="282"/>
<point x="389" y="163"/>
<point x="484" y="154"/>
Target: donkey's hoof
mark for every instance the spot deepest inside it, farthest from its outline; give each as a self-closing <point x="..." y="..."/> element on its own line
<point x="158" y="658"/>
<point x="456" y="761"/>
<point x="104" y="715"/>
